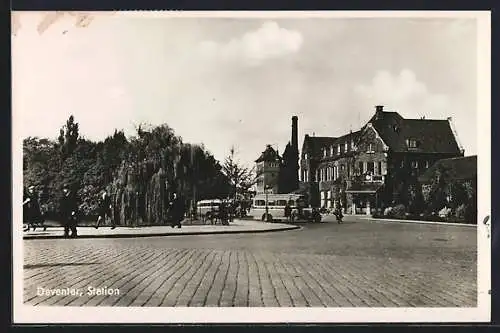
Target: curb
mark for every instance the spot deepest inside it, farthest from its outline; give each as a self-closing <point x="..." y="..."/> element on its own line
<point x="421" y="222"/>
<point x="163" y="234"/>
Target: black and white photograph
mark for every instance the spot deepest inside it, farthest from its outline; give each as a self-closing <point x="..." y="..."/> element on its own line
<point x="180" y="167"/>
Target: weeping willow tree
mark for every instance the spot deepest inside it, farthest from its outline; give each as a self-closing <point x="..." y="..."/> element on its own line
<point x="160" y="164"/>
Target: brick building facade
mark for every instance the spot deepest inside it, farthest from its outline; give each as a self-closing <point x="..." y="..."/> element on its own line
<point x="376" y="166"/>
<point x="268" y="167"/>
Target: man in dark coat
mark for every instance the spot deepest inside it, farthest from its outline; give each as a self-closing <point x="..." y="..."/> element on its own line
<point x="105" y="209"/>
<point x="176" y="211"/>
<point x="288" y="212"/>
<point x="33" y="214"/>
<point x="69" y="212"/>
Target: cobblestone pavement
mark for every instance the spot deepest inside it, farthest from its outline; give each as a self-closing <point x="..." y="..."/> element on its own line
<point x="355" y="264"/>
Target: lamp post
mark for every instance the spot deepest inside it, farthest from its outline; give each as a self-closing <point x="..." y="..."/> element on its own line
<point x="265" y="192"/>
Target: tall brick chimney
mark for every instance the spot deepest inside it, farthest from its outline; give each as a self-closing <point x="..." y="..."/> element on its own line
<point x="379" y="109"/>
<point x="294" y="181"/>
<point x="295" y="138"/>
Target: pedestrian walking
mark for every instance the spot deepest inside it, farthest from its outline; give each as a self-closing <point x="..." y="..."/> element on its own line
<point x="176" y="211"/>
<point x="69" y="212"/>
<point x="33" y="216"/>
<point x="338" y="214"/>
<point x="288" y="212"/>
<point x="104" y="210"/>
<point x="224" y="213"/>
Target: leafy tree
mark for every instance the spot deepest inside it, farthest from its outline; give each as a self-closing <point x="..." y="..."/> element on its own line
<point x="240" y="177"/>
<point x="68" y="137"/>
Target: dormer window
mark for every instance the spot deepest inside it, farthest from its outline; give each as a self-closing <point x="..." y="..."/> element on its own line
<point x="338" y="150"/>
<point x="370" y="149"/>
<point x="346" y="147"/>
<point x="325" y="152"/>
<point x="412" y="143"/>
<point x="331" y="150"/>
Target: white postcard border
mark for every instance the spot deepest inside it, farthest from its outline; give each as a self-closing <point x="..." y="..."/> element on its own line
<point x="56" y="314"/>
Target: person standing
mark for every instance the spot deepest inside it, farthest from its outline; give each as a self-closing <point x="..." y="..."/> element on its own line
<point x="288" y="212"/>
<point x="105" y="210"/>
<point x="176" y="211"/>
<point x="69" y="211"/>
<point x="338" y="213"/>
<point x="34" y="215"/>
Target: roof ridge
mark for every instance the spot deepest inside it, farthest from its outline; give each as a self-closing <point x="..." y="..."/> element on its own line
<point x="425" y="119"/>
<point x="458" y="157"/>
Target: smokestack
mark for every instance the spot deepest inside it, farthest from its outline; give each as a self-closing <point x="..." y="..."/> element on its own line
<point x="295" y="138"/>
<point x="379" y="109"/>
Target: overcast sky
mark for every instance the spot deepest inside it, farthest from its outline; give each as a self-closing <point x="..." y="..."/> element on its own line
<point x="239" y="81"/>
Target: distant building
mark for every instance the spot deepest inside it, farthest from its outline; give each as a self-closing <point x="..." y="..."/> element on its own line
<point x="279" y="174"/>
<point x="375" y="166"/>
<point x="268" y="168"/>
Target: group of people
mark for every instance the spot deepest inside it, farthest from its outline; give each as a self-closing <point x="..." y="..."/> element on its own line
<point x="290" y="215"/>
<point x="33" y="216"/>
<point x="32" y="213"/>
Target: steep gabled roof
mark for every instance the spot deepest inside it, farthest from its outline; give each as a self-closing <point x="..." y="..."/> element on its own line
<point x="268" y="155"/>
<point x="458" y="168"/>
<point x="314" y="144"/>
<point x="346" y="138"/>
<point x="432" y="136"/>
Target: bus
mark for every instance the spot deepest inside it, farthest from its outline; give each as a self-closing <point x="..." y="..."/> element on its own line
<point x="208" y="209"/>
<point x="275" y="208"/>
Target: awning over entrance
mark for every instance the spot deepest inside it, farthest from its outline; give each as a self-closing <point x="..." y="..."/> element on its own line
<point x="364" y="188"/>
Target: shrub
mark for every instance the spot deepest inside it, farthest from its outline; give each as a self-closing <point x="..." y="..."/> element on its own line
<point x="445" y="212"/>
<point x="398" y="211"/>
<point x="460" y="212"/>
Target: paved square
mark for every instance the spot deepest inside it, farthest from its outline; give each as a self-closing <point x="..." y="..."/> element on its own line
<point x="360" y="263"/>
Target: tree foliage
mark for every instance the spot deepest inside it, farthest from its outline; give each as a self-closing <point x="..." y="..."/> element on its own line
<point x="140" y="172"/>
<point x="240" y="177"/>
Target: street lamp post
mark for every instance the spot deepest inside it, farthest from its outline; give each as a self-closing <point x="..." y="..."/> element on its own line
<point x="265" y="192"/>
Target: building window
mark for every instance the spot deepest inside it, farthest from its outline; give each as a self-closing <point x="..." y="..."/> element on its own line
<point x="402" y="163"/>
<point x="426" y="164"/>
<point x="370" y="148"/>
<point x="348" y="170"/>
<point x="360" y="166"/>
<point x="370" y="166"/>
<point x="379" y="168"/>
<point x="332" y="151"/>
<point x="305" y="156"/>
<point x="324" y="152"/>
<point x="338" y="150"/>
<point x="412" y="143"/>
<point x="342" y="167"/>
<point x="414" y="164"/>
<point x="346" y="147"/>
